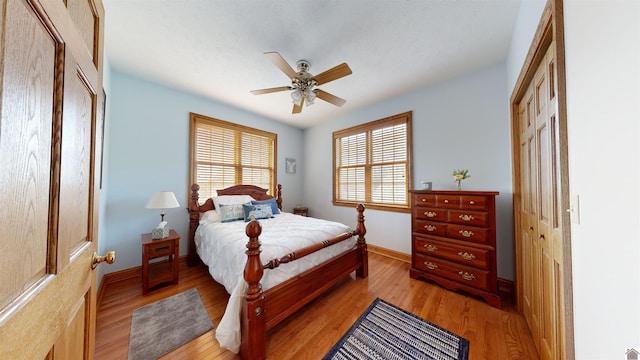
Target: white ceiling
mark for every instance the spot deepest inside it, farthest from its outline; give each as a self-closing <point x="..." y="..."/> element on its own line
<point x="214" y="48"/>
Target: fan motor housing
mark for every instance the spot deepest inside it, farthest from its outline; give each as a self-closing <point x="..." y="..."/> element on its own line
<point x="303" y="66"/>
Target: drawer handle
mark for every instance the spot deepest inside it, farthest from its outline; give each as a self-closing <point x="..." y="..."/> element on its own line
<point x="162" y="248"/>
<point x="429" y="227"/>
<point x="423" y="200"/>
<point x="467" y="276"/>
<point x="431" y="248"/>
<point x="430" y="214"/>
<point x="472" y="202"/>
<point x="465" y="217"/>
<point x="467" y="256"/>
<point x="466" y="233"/>
<point x="430" y="265"/>
<point x="446" y="201"/>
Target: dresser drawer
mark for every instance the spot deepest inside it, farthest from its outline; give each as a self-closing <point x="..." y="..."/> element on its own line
<point x="433" y="214"/>
<point x="471" y="202"/>
<point x="448" y="201"/>
<point x="468" y="233"/>
<point x="424" y="200"/>
<point x="432" y="228"/>
<point x="452" y="271"/>
<point x="473" y="218"/>
<point x="466" y="255"/>
<point x="162" y="248"/>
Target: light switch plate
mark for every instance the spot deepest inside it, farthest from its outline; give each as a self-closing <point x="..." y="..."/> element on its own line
<point x="574" y="210"/>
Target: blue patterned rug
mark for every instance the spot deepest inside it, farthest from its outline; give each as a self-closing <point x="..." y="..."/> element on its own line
<point x="385" y="331"/>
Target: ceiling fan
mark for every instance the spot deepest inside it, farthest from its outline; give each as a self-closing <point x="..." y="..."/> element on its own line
<point x="303" y="83"/>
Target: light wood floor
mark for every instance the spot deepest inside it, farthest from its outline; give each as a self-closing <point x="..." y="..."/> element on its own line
<point x="312" y="331"/>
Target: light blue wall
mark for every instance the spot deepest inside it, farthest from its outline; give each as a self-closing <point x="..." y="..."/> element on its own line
<point x="529" y="16"/>
<point x="460" y="123"/>
<point x="148" y="149"/>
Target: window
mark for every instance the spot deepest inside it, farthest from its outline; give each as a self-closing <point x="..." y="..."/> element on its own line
<point x="224" y="154"/>
<point x="372" y="164"/>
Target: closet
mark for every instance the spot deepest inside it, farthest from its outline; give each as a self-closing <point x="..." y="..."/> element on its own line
<point x="540" y="196"/>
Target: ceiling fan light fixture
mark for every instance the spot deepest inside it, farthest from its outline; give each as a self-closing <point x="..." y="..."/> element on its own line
<point x="296" y="96"/>
<point x="309" y="96"/>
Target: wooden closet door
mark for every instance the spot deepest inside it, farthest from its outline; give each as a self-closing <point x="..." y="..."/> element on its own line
<point x="51" y="88"/>
<point x="544" y="199"/>
<point x="529" y="256"/>
<point x="541" y="233"/>
<point x="541" y="190"/>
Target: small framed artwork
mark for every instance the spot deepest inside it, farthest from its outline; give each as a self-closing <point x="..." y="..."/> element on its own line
<point x="102" y="120"/>
<point x="290" y="165"/>
<point x="426" y="185"/>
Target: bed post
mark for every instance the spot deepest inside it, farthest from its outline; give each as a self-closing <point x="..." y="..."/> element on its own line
<point x="363" y="271"/>
<point x="194" y="218"/>
<point x="279" y="197"/>
<point x="253" y="323"/>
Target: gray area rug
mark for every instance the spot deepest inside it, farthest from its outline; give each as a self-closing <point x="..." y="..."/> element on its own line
<point x="385" y="331"/>
<point x="165" y="325"/>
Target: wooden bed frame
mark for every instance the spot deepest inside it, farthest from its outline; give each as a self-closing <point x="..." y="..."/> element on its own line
<point x="262" y="310"/>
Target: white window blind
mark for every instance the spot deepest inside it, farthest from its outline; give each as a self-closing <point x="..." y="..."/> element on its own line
<point x="226" y="154"/>
<point x="373" y="163"/>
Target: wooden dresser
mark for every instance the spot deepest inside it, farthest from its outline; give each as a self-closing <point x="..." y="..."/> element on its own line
<point x="454" y="241"/>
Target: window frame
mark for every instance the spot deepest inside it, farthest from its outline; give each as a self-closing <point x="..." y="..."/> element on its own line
<point x="195" y="119"/>
<point x="366" y="128"/>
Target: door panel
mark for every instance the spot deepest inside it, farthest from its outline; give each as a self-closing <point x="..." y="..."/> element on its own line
<point x="69" y="346"/>
<point x="48" y="146"/>
<point x="85" y="18"/>
<point x="25" y="150"/>
<point x="79" y="100"/>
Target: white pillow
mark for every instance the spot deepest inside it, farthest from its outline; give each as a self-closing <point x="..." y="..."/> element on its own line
<point x="210" y="216"/>
<point x="231" y="200"/>
<point x="232" y="212"/>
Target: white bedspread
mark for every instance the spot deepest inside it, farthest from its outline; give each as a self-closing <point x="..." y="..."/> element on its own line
<point x="222" y="247"/>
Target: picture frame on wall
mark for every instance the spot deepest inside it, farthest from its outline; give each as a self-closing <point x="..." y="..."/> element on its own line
<point x="290" y="165"/>
<point x="102" y="126"/>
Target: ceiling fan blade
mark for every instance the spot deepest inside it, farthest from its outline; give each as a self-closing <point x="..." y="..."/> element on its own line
<point x="270" y="90"/>
<point x="330" y="98"/>
<point x="335" y="72"/>
<point x="297" y="109"/>
<point x="278" y="61"/>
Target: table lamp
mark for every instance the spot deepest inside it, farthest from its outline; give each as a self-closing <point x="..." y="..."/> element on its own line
<point x="162" y="200"/>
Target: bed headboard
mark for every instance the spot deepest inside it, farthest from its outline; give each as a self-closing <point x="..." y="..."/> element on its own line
<point x="255" y="192"/>
<point x="196" y="210"/>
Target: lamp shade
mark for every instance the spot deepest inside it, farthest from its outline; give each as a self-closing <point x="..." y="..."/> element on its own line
<point x="163" y="200"/>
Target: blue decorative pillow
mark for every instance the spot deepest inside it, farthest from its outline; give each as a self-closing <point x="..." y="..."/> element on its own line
<point x="272" y="202"/>
<point x="230" y="213"/>
<point x="259" y="211"/>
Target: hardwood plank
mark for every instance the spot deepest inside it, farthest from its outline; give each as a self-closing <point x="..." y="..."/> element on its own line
<point x="312" y="331"/>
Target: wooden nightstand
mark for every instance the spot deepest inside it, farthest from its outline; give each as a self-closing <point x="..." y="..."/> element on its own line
<point x="163" y="271"/>
<point x="301" y="211"/>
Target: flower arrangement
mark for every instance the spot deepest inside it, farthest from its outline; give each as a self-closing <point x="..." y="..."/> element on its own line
<point x="459" y="175"/>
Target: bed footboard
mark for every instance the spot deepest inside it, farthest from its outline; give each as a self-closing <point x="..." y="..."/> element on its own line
<point x="286" y="298"/>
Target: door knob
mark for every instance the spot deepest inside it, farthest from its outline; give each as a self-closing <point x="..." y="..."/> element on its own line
<point x="97" y="259"/>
